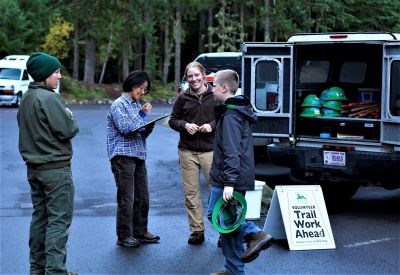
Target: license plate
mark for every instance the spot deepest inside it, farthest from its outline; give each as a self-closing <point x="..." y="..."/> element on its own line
<point x="335" y="158"/>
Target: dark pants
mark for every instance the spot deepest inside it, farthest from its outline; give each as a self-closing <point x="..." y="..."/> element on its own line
<point x="52" y="193"/>
<point x="132" y="195"/>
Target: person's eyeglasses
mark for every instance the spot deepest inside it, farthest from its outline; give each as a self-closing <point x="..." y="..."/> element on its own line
<point x="143" y="89"/>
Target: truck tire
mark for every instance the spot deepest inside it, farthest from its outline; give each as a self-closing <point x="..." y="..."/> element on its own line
<point x="18" y="101"/>
<point x="339" y="191"/>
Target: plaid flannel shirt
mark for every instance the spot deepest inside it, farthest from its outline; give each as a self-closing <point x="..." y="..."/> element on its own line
<point x="123" y="136"/>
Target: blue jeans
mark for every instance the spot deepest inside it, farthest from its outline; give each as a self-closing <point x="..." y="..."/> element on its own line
<point x="232" y="243"/>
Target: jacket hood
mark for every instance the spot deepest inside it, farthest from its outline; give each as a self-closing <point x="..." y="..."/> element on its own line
<point x="239" y="103"/>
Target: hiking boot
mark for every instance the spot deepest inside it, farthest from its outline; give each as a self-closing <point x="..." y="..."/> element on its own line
<point x="197" y="237"/>
<point x="128" y="242"/>
<point x="220" y="273"/>
<point x="72" y="273"/>
<point x="148" y="238"/>
<point x="257" y="242"/>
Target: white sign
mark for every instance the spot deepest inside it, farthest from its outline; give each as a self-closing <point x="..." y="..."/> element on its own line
<point x="298" y="213"/>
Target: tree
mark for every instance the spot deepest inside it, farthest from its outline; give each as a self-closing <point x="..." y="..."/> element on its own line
<point x="13" y="24"/>
<point x="178" y="39"/>
<point x="55" y="41"/>
<point x="227" y="28"/>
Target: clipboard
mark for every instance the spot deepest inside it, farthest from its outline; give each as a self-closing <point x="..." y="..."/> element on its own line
<point x="151" y="121"/>
<point x="157" y="119"/>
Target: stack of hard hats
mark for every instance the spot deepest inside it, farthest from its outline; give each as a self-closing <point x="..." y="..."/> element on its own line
<point x="311" y="106"/>
<point x="332" y="101"/>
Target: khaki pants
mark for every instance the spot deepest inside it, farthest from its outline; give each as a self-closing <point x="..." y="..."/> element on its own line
<point x="190" y="164"/>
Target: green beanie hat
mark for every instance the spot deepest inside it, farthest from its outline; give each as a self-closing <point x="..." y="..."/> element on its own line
<point x="40" y="66"/>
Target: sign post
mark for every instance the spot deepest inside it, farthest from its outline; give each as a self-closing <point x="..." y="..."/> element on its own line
<point x="298" y="213"/>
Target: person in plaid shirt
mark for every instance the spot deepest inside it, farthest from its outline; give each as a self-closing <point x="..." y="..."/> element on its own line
<point x="126" y="146"/>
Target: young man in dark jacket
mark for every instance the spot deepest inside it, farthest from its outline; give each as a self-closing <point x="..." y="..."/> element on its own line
<point x="233" y="169"/>
<point x="46" y="128"/>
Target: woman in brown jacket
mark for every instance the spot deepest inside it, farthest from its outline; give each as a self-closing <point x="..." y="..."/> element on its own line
<point x="193" y="117"/>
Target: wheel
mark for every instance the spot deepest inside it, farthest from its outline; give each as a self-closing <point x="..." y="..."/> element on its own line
<point x="18" y="100"/>
<point x="334" y="191"/>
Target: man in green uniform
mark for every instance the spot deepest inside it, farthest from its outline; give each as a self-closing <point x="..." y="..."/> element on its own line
<point x="46" y="128"/>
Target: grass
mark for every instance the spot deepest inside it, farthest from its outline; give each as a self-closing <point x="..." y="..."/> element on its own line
<point x="80" y="91"/>
<point x="71" y="89"/>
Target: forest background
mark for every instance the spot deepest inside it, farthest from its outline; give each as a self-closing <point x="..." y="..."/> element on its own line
<point x="101" y="41"/>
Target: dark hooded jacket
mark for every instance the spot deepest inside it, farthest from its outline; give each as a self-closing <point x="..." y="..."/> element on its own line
<point x="233" y="160"/>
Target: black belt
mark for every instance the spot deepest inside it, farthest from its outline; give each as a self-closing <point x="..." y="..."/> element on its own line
<point x="49" y="165"/>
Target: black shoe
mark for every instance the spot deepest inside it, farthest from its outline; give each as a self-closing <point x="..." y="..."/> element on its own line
<point x="72" y="273"/>
<point x="197" y="237"/>
<point x="258" y="241"/>
<point x="128" y="242"/>
<point x="219" y="242"/>
<point x="148" y="238"/>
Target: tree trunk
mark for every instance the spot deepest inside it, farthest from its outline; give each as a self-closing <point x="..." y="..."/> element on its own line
<point x="242" y="35"/>
<point x="90" y="61"/>
<point x="75" y="65"/>
<point x="138" y="53"/>
<point x="167" y="53"/>
<point x="106" y="57"/>
<point x="148" y="39"/>
<point x="210" y="24"/>
<point x="125" y="47"/>
<point x="202" y="26"/>
<point x="254" y="31"/>
<point x="178" y="41"/>
<point x="267" y="8"/>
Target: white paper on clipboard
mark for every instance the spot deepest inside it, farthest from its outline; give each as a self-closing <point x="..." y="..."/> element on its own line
<point x="153" y="120"/>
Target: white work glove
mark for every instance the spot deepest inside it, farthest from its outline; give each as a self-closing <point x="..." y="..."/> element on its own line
<point x="205" y="128"/>
<point x="228" y="193"/>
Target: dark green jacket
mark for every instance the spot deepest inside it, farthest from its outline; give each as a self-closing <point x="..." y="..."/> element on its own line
<point x="45" y="128"/>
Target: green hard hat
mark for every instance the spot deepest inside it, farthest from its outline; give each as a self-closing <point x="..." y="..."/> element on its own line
<point x="311" y="112"/>
<point x="229" y="216"/>
<point x="333" y="93"/>
<point x="333" y="104"/>
<point x="311" y="101"/>
<point x="330" y="112"/>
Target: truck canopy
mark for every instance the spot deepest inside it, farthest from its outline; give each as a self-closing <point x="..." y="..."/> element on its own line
<point x="345" y="36"/>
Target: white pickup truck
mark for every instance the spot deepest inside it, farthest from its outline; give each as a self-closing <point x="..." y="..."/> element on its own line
<point x="328" y="105"/>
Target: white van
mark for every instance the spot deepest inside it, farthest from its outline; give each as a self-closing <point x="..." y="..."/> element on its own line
<point x="14" y="79"/>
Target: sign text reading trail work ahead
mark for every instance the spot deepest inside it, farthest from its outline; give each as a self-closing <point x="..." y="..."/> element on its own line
<point x="305" y="219"/>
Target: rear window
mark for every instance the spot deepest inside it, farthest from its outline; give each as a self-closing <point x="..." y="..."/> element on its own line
<point x="353" y="72"/>
<point x="214" y="64"/>
<point x="314" y="71"/>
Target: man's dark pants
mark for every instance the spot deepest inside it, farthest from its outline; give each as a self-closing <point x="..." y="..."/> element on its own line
<point x="52" y="193"/>
<point x="132" y="195"/>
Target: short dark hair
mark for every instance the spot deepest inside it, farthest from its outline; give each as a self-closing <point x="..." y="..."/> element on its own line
<point x="136" y="79"/>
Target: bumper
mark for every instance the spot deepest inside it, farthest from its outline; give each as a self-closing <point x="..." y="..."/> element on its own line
<point x="375" y="166"/>
<point x="8" y="99"/>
